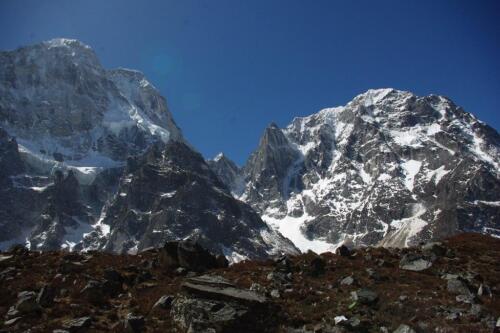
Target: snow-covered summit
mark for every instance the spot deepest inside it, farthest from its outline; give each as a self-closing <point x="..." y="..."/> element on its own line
<point x="65" y="42"/>
<point x="218" y="157"/>
<point x="389" y="167"/>
<point x="59" y="101"/>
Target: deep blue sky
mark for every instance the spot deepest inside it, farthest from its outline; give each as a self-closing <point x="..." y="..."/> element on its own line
<point x="229" y="68"/>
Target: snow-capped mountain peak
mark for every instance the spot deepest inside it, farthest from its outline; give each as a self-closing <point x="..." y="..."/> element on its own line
<point x="67" y="111"/>
<point x="388" y="167"/>
<point x="98" y="163"/>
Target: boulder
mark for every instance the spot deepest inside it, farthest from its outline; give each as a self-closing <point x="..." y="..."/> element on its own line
<point x="46" y="295"/>
<point x="434" y="248"/>
<point x="283" y="264"/>
<point x="404" y="329"/>
<point x="95" y="292"/>
<point x="414" y="262"/>
<point x="112" y="275"/>
<point x="365" y="296"/>
<point x="212" y="304"/>
<point x="343" y="251"/>
<point x="190" y="255"/>
<point x="78" y="325"/>
<point x="317" y="266"/>
<point x="164" y="302"/>
<point x="134" y="324"/>
<point x="26" y="302"/>
<point x="222" y="261"/>
<point x="458" y="286"/>
<point x="347" y="281"/>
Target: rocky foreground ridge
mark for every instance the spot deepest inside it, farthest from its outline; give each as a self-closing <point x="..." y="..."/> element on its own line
<point x="451" y="286"/>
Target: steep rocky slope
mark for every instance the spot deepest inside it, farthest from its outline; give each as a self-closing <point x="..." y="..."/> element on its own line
<point x="65" y="109"/>
<point x="365" y="290"/>
<point x="92" y="159"/>
<point x="170" y="193"/>
<point x="389" y="167"/>
<point x="228" y="172"/>
<point x="67" y="115"/>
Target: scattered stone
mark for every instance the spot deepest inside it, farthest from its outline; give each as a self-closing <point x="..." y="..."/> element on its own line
<point x="347" y="281"/>
<point x="68" y="267"/>
<point x="18" y="250"/>
<point x="435" y="248"/>
<point x="404" y="329"/>
<point x="26" y="302"/>
<point x="373" y="274"/>
<point x="134" y="324"/>
<point x="414" y="262"/>
<point x="12" y="312"/>
<point x="383" y="263"/>
<point x="258" y="288"/>
<point x="317" y="266"/>
<point x="164" y="302"/>
<point x="12" y="322"/>
<point x="453" y="316"/>
<point x="181" y="271"/>
<point x="339" y="319"/>
<point x="484" y="290"/>
<point x="365" y="296"/>
<point x="46" y="296"/>
<point x="275" y="293"/>
<point x="7" y="272"/>
<point x="283" y="264"/>
<point x="94" y="292"/>
<point x="465" y="299"/>
<point x="476" y="310"/>
<point x="354" y="324"/>
<point x="78" y="325"/>
<point x="188" y="254"/>
<point x="458" y="286"/>
<point x="222" y="261"/>
<point x="278" y="279"/>
<point x="343" y="251"/>
<point x="112" y="275"/>
<point x="217" y="287"/>
<point x="5" y="258"/>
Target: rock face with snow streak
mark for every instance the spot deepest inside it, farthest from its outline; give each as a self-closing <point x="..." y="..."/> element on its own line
<point x="92" y="159"/>
<point x="388" y="168"/>
<point x="68" y="113"/>
<point x="228" y="172"/>
<point x="66" y="110"/>
<point x="170" y="193"/>
<point x="45" y="212"/>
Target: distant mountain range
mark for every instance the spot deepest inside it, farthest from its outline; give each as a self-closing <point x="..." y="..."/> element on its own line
<point x="92" y="159"/>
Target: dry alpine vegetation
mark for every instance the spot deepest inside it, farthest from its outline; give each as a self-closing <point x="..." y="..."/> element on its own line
<point x="452" y="286"/>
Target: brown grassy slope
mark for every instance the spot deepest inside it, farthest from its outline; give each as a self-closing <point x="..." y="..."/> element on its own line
<point x="309" y="302"/>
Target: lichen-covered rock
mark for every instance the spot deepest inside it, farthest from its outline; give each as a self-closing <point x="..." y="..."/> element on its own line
<point x="211" y="303"/>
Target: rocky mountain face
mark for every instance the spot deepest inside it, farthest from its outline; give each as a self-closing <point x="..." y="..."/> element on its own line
<point x="170" y="193"/>
<point x="228" y="172"/>
<point x="66" y="110"/>
<point x="389" y="168"/>
<point x="92" y="159"/>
